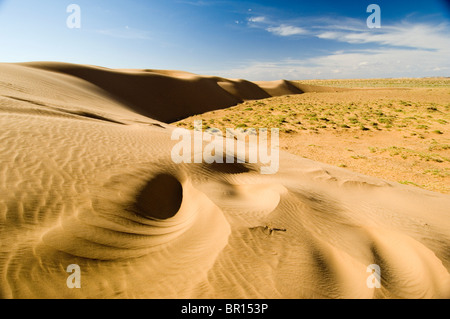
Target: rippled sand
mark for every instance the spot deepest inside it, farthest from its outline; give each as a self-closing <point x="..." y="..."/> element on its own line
<point x="87" y="178"/>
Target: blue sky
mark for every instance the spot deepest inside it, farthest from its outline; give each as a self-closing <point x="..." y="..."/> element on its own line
<point x="255" y="40"/>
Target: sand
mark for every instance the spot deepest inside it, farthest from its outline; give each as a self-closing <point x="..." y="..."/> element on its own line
<point x="87" y="178"/>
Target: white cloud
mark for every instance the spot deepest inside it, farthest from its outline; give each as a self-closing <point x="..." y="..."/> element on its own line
<point x="286" y="30"/>
<point x="329" y="35"/>
<point x="282" y="29"/>
<point x="126" y="33"/>
<point x="398" y="50"/>
<point x="355" y="31"/>
<point x="257" y="19"/>
<point x="423" y="36"/>
<point x="379" y="63"/>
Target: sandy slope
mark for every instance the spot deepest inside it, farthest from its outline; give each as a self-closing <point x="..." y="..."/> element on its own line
<point x="86" y="178"/>
<point x="186" y="93"/>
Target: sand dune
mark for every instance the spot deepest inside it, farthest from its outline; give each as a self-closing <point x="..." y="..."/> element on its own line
<point x="283" y="87"/>
<point x="186" y="93"/>
<point x="86" y="178"/>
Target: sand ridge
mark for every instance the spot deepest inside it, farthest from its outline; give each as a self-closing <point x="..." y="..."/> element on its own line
<point x="86" y="178"/>
<point x="186" y="93"/>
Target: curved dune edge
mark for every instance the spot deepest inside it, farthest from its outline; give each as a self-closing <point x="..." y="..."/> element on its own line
<point x="148" y="92"/>
<point x="81" y="169"/>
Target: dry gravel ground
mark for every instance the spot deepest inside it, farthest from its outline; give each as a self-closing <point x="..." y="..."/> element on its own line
<point x="395" y="129"/>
